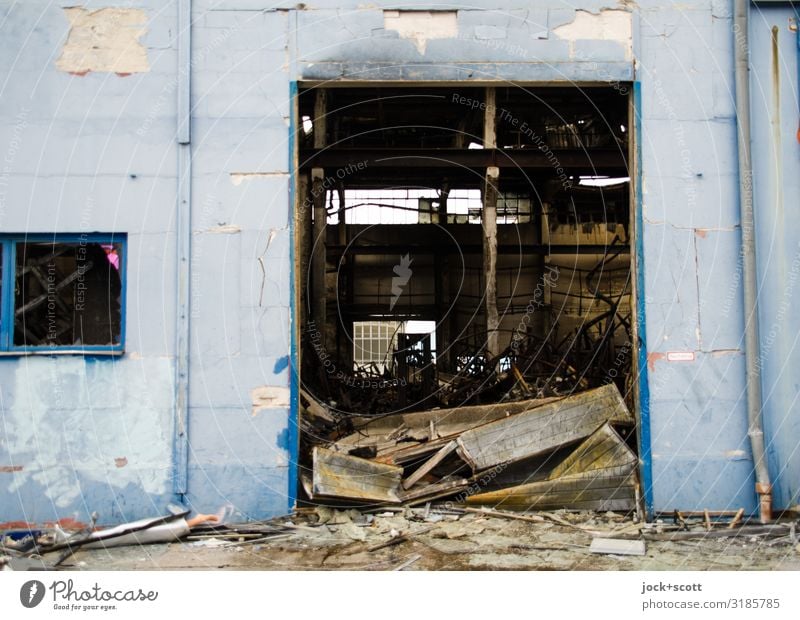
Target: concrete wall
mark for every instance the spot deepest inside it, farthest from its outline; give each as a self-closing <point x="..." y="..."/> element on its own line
<point x="693" y="299"/>
<point x="83" y="152"/>
<point x="82" y="134"/>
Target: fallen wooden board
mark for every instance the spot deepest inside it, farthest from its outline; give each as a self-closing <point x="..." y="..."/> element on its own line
<point x="617" y="546"/>
<point x="407" y="452"/>
<point x="602" y="450"/>
<point x="431" y="492"/>
<point x="414" y="558"/>
<point x="429" y="465"/>
<point x="770" y="531"/>
<point x="587" y="491"/>
<point x="384" y="433"/>
<point x="349" y="477"/>
<point x="541" y="430"/>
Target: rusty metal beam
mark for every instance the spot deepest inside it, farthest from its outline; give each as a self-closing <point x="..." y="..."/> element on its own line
<point x="471" y="248"/>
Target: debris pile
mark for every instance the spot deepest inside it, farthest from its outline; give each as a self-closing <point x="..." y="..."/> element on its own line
<point x="540" y="454"/>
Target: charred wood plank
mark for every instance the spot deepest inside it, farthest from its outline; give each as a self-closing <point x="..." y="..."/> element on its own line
<point x="349" y="477"/>
<point x="543" y="429"/>
<point x="587" y="491"/>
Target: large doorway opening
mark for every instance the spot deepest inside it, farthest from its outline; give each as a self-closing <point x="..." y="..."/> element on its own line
<point x="459" y="247"/>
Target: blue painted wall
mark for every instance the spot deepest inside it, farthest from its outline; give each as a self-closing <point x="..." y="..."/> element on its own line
<point x="700" y="450"/>
<point x="98" y="151"/>
<point x="776" y="159"/>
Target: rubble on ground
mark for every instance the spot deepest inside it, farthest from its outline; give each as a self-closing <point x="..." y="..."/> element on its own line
<point x="550" y="453"/>
<point x="441" y="536"/>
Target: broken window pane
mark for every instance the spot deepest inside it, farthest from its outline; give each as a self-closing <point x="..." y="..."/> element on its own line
<point x="68" y="294"/>
<point x="373" y="342"/>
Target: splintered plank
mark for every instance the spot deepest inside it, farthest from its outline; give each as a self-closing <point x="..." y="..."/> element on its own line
<point x="431" y="492"/>
<point x="604" y="449"/>
<point x="406" y="453"/>
<point x="594" y="490"/>
<point x="426" y="467"/>
<point x="543" y="429"/>
<point x="349" y="477"/>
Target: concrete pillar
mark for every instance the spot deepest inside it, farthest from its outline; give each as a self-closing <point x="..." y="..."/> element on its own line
<point x="303" y="242"/>
<point x="318" y="254"/>
<point x="318" y="245"/>
<point x="489" y="223"/>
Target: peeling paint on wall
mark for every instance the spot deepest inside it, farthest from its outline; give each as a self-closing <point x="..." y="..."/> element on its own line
<point x="737" y="455"/>
<point x="607" y="25"/>
<point x="222" y="229"/>
<point x="105" y="40"/>
<point x="422" y="26"/>
<point x="281" y="364"/>
<point x="268" y="397"/>
<point x="652" y="358"/>
<point x="238" y="177"/>
<point x="70" y="418"/>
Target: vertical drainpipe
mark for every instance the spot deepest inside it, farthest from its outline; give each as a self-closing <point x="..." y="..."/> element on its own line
<point x="752" y="349"/>
<point x="183" y="231"/>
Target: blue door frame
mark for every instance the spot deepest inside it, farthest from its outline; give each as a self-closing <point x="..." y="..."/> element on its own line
<point x="294" y="369"/>
<point x="643" y="388"/>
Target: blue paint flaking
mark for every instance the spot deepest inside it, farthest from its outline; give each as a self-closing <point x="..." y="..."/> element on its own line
<point x="281" y="364"/>
<point x="284" y="441"/>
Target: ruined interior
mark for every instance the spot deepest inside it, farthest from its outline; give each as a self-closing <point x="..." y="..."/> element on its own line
<point x="67" y="294"/>
<point x="461" y="246"/>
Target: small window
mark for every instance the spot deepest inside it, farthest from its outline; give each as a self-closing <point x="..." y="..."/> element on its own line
<point x="373" y="342"/>
<point x="65" y="293"/>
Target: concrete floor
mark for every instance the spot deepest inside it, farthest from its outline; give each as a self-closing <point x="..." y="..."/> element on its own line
<point x="342" y="540"/>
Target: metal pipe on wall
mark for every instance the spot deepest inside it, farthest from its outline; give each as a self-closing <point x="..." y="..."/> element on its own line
<point x="752" y="343"/>
<point x="183" y="229"/>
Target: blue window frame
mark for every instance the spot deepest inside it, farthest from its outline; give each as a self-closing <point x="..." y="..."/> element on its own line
<point x="62" y="293"/>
